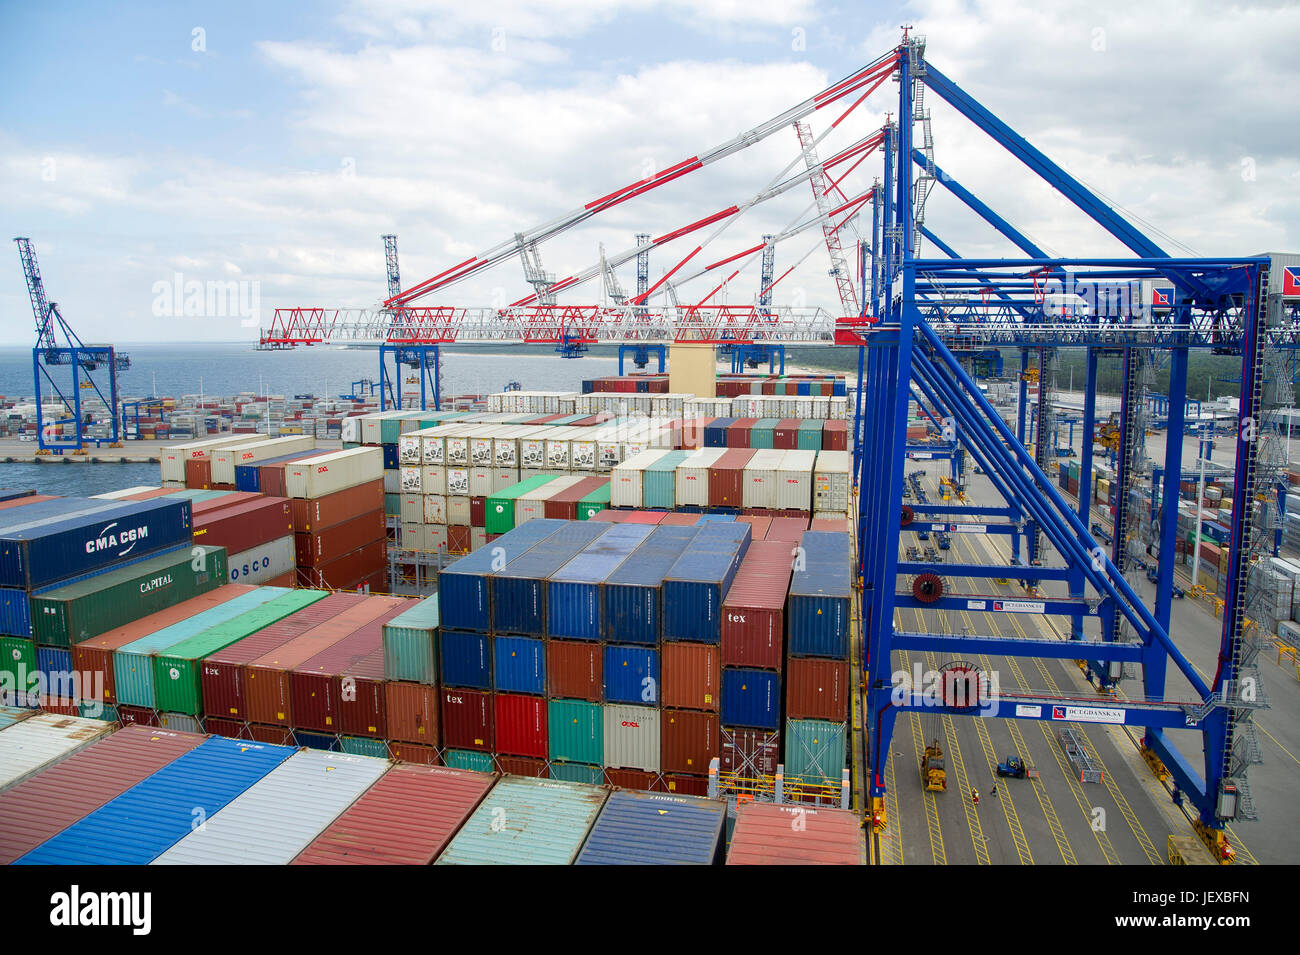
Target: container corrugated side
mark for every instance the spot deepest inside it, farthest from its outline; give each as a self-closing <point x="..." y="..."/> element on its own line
<point x="693" y="477"/>
<point x="626" y="479"/>
<point x="73" y="614"/>
<point x="410" y="643"/>
<point x="546" y="823"/>
<point x="768" y="834"/>
<point x="463" y="585"/>
<point x="693" y="590"/>
<point x="263" y="563"/>
<point x="753" y="613"/>
<point x="499" y="514"/>
<point x="817" y="620"/>
<point x="406" y="818"/>
<point x="518" y="592"/>
<point x="330" y="473"/>
<point x="173" y="458"/>
<point x="631" y="737"/>
<point x="815" y="751"/>
<point x="831" y="481"/>
<point x="280" y="814"/>
<point x="760" y="478"/>
<point x="225" y="460"/>
<point x="794" y="481"/>
<point x="28" y="747"/>
<point x="631" y="674"/>
<point x="659" y="480"/>
<point x="636" y="828"/>
<point x="518" y="665"/>
<point x="632" y="593"/>
<point x="576" y="731"/>
<point x="153" y="815"/>
<point x="573" y="593"/>
<point x="751" y="698"/>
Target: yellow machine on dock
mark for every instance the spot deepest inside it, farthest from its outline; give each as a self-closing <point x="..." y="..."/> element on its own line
<point x="933" y="776"/>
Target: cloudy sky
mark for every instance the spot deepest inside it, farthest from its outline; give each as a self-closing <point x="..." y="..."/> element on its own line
<point x="149" y="145"/>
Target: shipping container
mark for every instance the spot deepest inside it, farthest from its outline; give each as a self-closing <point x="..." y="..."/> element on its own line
<point x="815" y="751"/>
<point x="520" y="725"/>
<point x="788" y="529"/>
<point x="817" y="689"/>
<point x="9" y="715"/>
<point x="156" y="813"/>
<point x="546" y="824"/>
<point x="518" y="591"/>
<point x="463" y="585"/>
<point x="280" y="814"/>
<point x="244" y="525"/>
<point x="464" y="760"/>
<point x="519" y="665"/>
<point x="264" y="563"/>
<point x="267" y="476"/>
<point x="753" y="613"/>
<point x="794" y="481"/>
<point x="626" y="479"/>
<point x="750" y="753"/>
<point x="691" y="676"/>
<point x="574" y="591"/>
<point x="320" y="547"/>
<point x="173" y="458"/>
<point x="468" y="720"/>
<point x="412" y="712"/>
<point x="820" y="590"/>
<point x="226" y="459"/>
<point x="659" y="480"/>
<point x="410" y="643"/>
<point x="632" y="593"/>
<point x="574" y="670"/>
<point x="364" y="566"/>
<point x="631" y="674"/>
<point x="563" y="505"/>
<point x="331" y="509"/>
<point x="751" y="698"/>
<point x="655" y="829"/>
<point x="499" y="513"/>
<point x="760" y="477"/>
<point x="690" y="741"/>
<point x="75" y="613"/>
<point x="466" y="658"/>
<point x="693" y="590"/>
<point x="594" y="502"/>
<point x="769" y="834"/>
<point x="335" y="472"/>
<point x="727" y="478"/>
<point x="631" y="737"/>
<point x="29" y="746"/>
<point x="406" y="818"/>
<point x="692" y="476"/>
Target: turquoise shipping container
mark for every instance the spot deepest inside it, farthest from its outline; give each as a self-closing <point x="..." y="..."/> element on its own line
<point x="578" y="773"/>
<point x="411" y="644"/>
<point x="576" y="730"/>
<point x="526" y="821"/>
<point x="468" y="759"/>
<point x="814" y="751"/>
<point x="363" y="746"/>
<point x="659" y="481"/>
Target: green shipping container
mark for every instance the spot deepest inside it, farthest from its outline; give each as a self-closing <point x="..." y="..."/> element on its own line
<point x="814" y="751"/>
<point x="659" y="481"/>
<point x="176" y="676"/>
<point x="810" y="434"/>
<point x="761" y="434"/>
<point x="94" y="710"/>
<point x="363" y="746"/>
<point x="468" y="759"/>
<point x="411" y="644"/>
<point x="577" y="773"/>
<point x="577" y="731"/>
<point x="500" y="510"/>
<point x="74" y="614"/>
<point x="593" y="503"/>
<point x="392" y="504"/>
<point x="17" y="654"/>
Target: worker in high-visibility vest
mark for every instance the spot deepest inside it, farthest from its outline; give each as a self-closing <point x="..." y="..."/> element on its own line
<point x="975" y="796"/>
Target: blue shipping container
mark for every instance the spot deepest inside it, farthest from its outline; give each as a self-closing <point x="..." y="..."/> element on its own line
<point x="723" y="518"/>
<point x="466" y="659"/>
<point x="751" y="698"/>
<point x="391" y="462"/>
<point x="632" y="592"/>
<point x="248" y="477"/>
<point x="694" y="588"/>
<point x="32" y="515"/>
<point x="52" y="663"/>
<point x="715" y="433"/>
<point x="463" y="586"/>
<point x="817" y="617"/>
<point x="631" y="675"/>
<point x="573" y="604"/>
<point x="518" y="593"/>
<point x="153" y="815"/>
<point x="519" y="665"/>
<point x="316" y="740"/>
<point x="65" y="547"/>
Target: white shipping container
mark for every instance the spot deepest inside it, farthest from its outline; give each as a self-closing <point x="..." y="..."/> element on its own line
<point x="173" y="458"/>
<point x="457" y="450"/>
<point x="480" y="480"/>
<point x="411" y="481"/>
<point x="413" y="537"/>
<point x="264" y="562"/>
<point x="477" y="538"/>
<point x="33" y="744"/>
<point x="533" y="504"/>
<point x="457" y="510"/>
<point x="328" y="473"/>
<point x="409" y="448"/>
<point x="434" y="509"/>
<point x="831" y="481"/>
<point x="273" y="820"/>
<point x="760" y="478"/>
<point x="632" y="737"/>
<point x="412" y="509"/>
<point x="502" y="478"/>
<point x="794" y="480"/>
<point x="458" y="481"/>
<point x="693" y="477"/>
<point x="125" y="492"/>
<point x="433" y="479"/>
<point x="625" y="481"/>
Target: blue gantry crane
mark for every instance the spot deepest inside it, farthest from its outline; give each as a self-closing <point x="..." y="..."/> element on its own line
<point x="63" y="366"/>
<point x="424" y="359"/>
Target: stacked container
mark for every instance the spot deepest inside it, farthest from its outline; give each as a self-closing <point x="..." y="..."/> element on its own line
<point x="338" y="519"/>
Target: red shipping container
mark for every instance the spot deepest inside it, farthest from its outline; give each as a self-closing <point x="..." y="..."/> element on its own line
<point x="738" y="432"/>
<point x="683" y="785"/>
<point x="320" y="547"/>
<point x="765" y="834"/>
<point x="750" y="753"/>
<point x="689" y="740"/>
<point x="758" y="524"/>
<point x="198" y="474"/>
<point x="222" y="674"/>
<point x="231" y="729"/>
<point x="245" y="525"/>
<point x="521" y="725"/>
<point x="691" y="676"/>
<point x="564" y="505"/>
<point x="837" y="525"/>
<point x="289" y="579"/>
<point x="223" y="502"/>
<point x="786" y="529"/>
<point x="43" y="805"/>
<point x="677" y="519"/>
<point x="316" y="688"/>
<point x="727" y="478"/>
<point x="37" y="498"/>
<point x="96" y="654"/>
<point x="270" y="477"/>
<point x="364" y="710"/>
<point x="786" y="434"/>
<point x="412" y="712"/>
<point x="835" y="436"/>
<point x="414" y="753"/>
<point x="478" y="512"/>
<point x="523" y="766"/>
<point x="136" y="715"/>
<point x="467" y="720"/>
<point x="347" y="571"/>
<point x="275" y="735"/>
<point x="268" y="698"/>
<point x="646" y="517"/>
<point x="459" y="538"/>
<point x="574" y="670"/>
<point x="753" y="613"/>
<point x="692" y="433"/>
<point x="610" y="517"/>
<point x="60" y="706"/>
<point x="817" y="689"/>
<point x="326" y="511"/>
<point x="634" y="779"/>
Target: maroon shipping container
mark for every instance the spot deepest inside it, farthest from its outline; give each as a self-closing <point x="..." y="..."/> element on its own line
<point x="245" y="525"/>
<point x="316" y="548"/>
<point x="574" y="670"/>
<point x="478" y="512"/>
<point x="786" y="529"/>
<point x="634" y="779"/>
<point x="523" y="766"/>
<point x="269" y="697"/>
<point x="364" y="711"/>
<point x="270" y="477"/>
<point x="42" y="806"/>
<point x="749" y="752"/>
<point x="412" y="713"/>
<point x="835" y="436"/>
<point x="350" y="570"/>
<point x="198" y="474"/>
<point x="414" y="753"/>
<point x="96" y="654"/>
<point x="223" y="502"/>
<point x="222" y="674"/>
<point x="817" y="689"/>
<point x="610" y="517"/>
<point x="275" y="735"/>
<point x="837" y="524"/>
<point x="738" y="432"/>
<point x="467" y="720"/>
<point x="689" y="740"/>
<point x="758" y="525"/>
<point x="459" y="538"/>
<point x="521" y="725"/>
<point x="60" y="706"/>
<point x="231" y="729"/>
<point x="683" y="785"/>
<point x="727" y="478"/>
<point x="753" y="613"/>
<point x="564" y="505"/>
<point x="407" y="817"/>
<point x="680" y="519"/>
<point x="766" y="834"/>
<point x="326" y="511"/>
<point x="786" y="434"/>
<point x="137" y="715"/>
<point x="316" y="685"/>
<point x="691" y="676"/>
